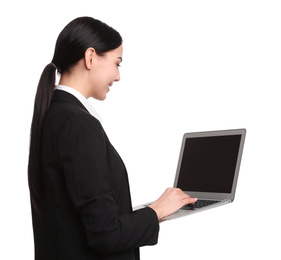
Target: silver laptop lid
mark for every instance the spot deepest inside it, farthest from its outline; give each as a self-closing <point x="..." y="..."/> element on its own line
<point x="209" y="163"/>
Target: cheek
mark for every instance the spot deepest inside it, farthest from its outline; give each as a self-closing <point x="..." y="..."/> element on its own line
<point x="106" y="75"/>
<point x="99" y="87"/>
<point x="98" y="79"/>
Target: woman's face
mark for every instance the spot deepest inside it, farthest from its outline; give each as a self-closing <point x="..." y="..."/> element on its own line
<point x="104" y="72"/>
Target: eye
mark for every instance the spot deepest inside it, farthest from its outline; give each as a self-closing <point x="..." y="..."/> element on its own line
<point x="118" y="65"/>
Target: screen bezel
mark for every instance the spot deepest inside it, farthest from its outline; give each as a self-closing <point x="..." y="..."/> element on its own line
<point x="213" y="195"/>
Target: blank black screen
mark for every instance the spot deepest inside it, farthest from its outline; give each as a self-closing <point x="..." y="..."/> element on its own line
<point x="208" y="163"/>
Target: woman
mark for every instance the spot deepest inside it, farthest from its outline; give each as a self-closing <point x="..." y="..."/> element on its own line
<point x="81" y="206"/>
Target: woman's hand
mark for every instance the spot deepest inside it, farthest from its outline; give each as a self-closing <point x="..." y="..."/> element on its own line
<point x="171" y="201"/>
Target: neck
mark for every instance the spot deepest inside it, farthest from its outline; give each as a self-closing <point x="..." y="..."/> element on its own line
<point x="75" y="82"/>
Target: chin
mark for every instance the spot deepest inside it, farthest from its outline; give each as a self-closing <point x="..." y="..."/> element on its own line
<point x="101" y="98"/>
<point x="99" y="95"/>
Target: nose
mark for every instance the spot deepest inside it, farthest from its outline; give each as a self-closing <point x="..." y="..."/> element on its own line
<point x="117" y="76"/>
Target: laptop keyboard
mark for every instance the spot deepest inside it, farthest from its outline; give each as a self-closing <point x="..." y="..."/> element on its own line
<point x="199" y="204"/>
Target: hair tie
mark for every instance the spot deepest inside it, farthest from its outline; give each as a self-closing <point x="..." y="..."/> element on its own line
<point x="54" y="65"/>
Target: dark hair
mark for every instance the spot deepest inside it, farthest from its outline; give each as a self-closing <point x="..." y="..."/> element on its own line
<point x="71" y="45"/>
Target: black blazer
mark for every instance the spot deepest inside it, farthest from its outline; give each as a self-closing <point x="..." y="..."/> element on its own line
<point x="88" y="213"/>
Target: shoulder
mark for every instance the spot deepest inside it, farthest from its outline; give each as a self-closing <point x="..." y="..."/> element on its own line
<point x="81" y="134"/>
<point x="80" y="124"/>
<point x="70" y="119"/>
<point x="79" y="119"/>
<point x="65" y="105"/>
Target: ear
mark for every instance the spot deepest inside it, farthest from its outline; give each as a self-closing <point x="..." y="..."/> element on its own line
<point x="90" y="55"/>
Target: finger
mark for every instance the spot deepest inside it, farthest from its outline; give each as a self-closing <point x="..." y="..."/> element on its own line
<point x="191" y="200"/>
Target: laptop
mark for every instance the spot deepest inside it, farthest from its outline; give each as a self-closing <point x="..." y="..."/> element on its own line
<point x="208" y="169"/>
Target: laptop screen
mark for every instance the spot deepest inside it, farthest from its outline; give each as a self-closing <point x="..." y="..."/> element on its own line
<point x="208" y="163"/>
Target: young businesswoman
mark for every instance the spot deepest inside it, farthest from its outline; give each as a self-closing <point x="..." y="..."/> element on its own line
<point x="81" y="206"/>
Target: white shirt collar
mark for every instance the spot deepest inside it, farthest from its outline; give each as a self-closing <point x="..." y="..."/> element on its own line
<point x="81" y="98"/>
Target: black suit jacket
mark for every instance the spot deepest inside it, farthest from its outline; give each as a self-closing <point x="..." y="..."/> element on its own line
<point x="88" y="212"/>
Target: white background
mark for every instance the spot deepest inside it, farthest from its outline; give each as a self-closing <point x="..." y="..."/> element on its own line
<point x="188" y="66"/>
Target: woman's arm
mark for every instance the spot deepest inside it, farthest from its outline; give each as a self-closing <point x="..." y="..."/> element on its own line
<point x="82" y="152"/>
<point x="171" y="201"/>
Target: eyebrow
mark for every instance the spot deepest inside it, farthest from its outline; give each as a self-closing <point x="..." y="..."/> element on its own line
<point x="120" y="58"/>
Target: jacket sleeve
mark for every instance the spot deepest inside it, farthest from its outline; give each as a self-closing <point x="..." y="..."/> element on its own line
<point x="81" y="150"/>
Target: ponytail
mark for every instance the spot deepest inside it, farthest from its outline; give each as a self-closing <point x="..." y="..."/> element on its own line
<point x="41" y="105"/>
